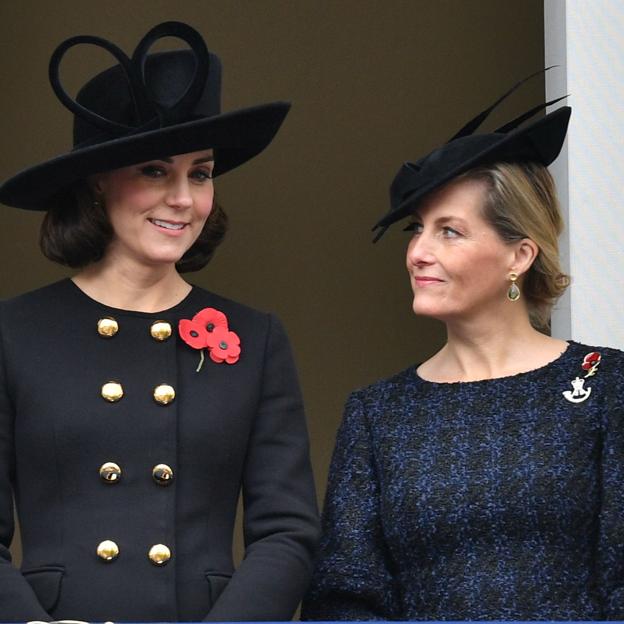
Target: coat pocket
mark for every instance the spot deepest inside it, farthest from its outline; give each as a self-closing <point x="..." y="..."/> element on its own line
<point x="217" y="582"/>
<point x="46" y="583"/>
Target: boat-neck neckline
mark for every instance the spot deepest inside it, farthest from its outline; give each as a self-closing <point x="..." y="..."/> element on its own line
<point x="524" y="375"/>
<point x="78" y="292"/>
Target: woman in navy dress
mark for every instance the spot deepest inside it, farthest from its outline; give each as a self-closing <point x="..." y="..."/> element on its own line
<point x="135" y="407"/>
<point x="485" y="482"/>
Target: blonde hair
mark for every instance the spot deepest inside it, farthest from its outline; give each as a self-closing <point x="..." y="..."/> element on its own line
<point x="521" y="202"/>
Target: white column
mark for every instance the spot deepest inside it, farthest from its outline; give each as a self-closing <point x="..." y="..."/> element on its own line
<point x="585" y="38"/>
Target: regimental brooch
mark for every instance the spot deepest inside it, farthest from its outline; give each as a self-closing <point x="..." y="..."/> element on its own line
<point x="579" y="393"/>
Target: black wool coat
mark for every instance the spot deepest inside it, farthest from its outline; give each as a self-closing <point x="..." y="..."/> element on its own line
<point x="230" y="426"/>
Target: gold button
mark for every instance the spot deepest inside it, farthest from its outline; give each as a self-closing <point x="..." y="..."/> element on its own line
<point x="110" y="472"/>
<point x="162" y="474"/>
<point x="107" y="327"/>
<point x="107" y="550"/>
<point x="160" y="330"/>
<point x="164" y="394"/>
<point x="159" y="554"/>
<point x="112" y="391"/>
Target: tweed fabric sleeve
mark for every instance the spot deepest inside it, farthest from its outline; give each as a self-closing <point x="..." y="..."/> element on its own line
<point x="17" y="599"/>
<point x="353" y="579"/>
<point x="611" y="536"/>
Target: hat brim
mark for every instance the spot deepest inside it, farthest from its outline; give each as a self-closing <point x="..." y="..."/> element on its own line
<point x="540" y="142"/>
<point x="235" y="137"/>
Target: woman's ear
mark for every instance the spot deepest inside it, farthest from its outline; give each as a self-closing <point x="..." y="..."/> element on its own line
<point x="525" y="253"/>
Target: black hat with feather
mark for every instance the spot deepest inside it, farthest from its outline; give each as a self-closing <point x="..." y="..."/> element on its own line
<point x="539" y="141"/>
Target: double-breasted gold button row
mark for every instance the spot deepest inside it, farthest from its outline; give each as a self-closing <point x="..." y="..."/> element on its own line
<point x="110" y="472"/>
<point x="108" y="327"/>
<point x="112" y="391"/>
<point x="158" y="554"/>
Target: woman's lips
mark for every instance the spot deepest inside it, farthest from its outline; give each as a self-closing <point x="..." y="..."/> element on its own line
<point x="169" y="227"/>
<point x="426" y="281"/>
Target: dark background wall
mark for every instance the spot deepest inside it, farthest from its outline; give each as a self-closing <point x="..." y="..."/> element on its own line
<point x="372" y="84"/>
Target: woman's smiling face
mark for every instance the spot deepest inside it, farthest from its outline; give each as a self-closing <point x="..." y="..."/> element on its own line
<point x="458" y="265"/>
<point x="158" y="208"/>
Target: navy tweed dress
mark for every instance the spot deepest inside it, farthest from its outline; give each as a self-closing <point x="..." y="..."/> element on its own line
<point x="495" y="499"/>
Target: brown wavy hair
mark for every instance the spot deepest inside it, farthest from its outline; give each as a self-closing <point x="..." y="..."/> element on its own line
<point x="76" y="232"/>
<point x="521" y="202"/>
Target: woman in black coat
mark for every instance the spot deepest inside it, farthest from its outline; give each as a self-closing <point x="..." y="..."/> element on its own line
<point x="135" y="407"/>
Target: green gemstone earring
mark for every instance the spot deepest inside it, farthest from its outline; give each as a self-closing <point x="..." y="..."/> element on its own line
<point x="513" y="293"/>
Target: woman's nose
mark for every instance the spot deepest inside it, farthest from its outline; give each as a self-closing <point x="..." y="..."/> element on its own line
<point x="420" y="251"/>
<point x="179" y="193"/>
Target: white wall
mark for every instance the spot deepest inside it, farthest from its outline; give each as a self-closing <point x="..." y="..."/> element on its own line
<point x="586" y="38"/>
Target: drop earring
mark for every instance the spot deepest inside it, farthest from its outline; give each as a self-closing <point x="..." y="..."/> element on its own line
<point x="513" y="293"/>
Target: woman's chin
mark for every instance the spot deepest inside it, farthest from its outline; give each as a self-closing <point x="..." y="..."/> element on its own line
<point x="167" y="260"/>
<point x="162" y="256"/>
<point x="437" y="312"/>
<point x="425" y="308"/>
<point x="153" y="261"/>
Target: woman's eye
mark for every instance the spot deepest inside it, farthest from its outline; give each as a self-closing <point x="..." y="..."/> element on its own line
<point x="153" y="171"/>
<point x="201" y="175"/>
<point x="449" y="232"/>
<point x="413" y="227"/>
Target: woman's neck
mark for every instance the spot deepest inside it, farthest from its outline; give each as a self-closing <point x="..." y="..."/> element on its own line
<point x="133" y="287"/>
<point x="491" y="348"/>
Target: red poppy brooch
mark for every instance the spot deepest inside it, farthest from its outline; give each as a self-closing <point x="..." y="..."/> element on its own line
<point x="208" y="329"/>
<point x="590" y="363"/>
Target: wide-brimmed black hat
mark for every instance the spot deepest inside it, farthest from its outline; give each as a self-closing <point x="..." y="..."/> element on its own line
<point x="145" y="107"/>
<point x="539" y="141"/>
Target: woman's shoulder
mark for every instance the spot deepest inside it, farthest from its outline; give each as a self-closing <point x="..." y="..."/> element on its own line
<point x="240" y="316"/>
<point x="259" y="329"/>
<point x="375" y="406"/>
<point x="37" y="300"/>
<point x="384" y="390"/>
